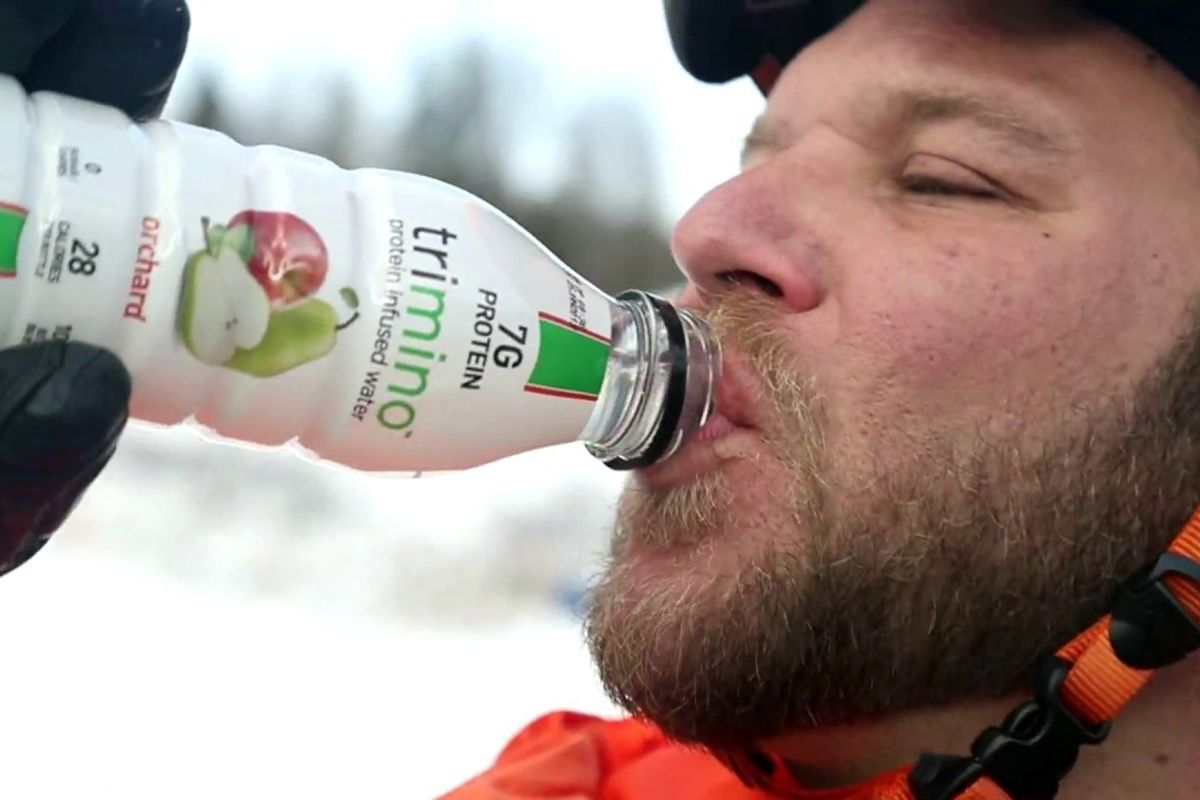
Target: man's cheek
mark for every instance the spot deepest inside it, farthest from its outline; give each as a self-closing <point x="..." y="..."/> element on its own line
<point x="961" y="313"/>
<point x="934" y="347"/>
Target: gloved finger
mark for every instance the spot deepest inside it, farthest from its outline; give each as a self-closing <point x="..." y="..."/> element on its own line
<point x="31" y="511"/>
<point x="25" y="26"/>
<point x="60" y="402"/>
<point x="63" y="407"/>
<point x="123" y="53"/>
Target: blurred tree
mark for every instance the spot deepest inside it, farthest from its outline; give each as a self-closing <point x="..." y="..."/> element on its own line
<point x="470" y="110"/>
<point x="606" y="218"/>
<point x="458" y="123"/>
<point x="612" y="161"/>
<point x="338" y="137"/>
<point x="208" y="108"/>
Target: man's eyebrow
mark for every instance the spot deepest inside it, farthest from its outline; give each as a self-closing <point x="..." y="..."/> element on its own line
<point x="913" y="108"/>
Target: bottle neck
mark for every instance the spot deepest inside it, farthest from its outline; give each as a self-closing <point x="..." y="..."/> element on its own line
<point x="659" y="386"/>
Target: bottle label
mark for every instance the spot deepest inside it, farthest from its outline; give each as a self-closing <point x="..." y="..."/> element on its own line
<point x="376" y="319"/>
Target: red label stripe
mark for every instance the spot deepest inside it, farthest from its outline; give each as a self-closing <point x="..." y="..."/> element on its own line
<point x="14" y="207"/>
<point x="577" y="328"/>
<point x="559" y="393"/>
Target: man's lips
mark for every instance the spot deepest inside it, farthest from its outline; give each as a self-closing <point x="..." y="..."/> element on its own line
<point x="717" y="442"/>
<point x="729" y="433"/>
<point x="717" y="427"/>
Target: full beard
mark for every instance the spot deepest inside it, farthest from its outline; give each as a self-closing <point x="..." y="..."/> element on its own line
<point x="943" y="574"/>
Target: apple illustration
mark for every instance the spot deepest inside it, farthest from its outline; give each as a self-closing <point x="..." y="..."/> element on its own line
<point x="288" y="259"/>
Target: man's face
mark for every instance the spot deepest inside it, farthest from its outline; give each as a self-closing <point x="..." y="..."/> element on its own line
<point x="954" y="281"/>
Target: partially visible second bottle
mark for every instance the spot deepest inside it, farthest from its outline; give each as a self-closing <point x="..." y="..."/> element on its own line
<point x="381" y="320"/>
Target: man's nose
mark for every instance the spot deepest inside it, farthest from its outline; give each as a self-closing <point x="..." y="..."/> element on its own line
<point x="747" y="233"/>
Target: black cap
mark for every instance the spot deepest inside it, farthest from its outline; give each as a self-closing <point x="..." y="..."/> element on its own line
<point x="721" y="40"/>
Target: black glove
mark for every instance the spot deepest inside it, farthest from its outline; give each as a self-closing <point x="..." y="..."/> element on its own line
<point x="122" y="53"/>
<point x="63" y="405"/>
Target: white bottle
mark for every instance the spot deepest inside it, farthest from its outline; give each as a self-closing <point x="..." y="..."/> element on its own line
<point x="381" y="320"/>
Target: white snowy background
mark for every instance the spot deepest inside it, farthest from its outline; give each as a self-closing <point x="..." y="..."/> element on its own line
<point x="224" y="622"/>
<point x="221" y="622"/>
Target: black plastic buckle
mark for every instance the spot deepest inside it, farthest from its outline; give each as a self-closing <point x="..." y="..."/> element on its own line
<point x="1149" y="628"/>
<point x="1027" y="756"/>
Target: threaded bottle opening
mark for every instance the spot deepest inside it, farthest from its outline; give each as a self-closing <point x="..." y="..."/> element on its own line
<point x="659" y="386"/>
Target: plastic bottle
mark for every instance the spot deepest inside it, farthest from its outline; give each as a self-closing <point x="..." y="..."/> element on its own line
<point x="381" y="320"/>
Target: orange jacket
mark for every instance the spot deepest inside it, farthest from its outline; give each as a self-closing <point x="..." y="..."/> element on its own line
<point x="567" y="756"/>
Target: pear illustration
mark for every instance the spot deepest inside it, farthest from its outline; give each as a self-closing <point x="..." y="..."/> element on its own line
<point x="295" y="336"/>
<point x="222" y="308"/>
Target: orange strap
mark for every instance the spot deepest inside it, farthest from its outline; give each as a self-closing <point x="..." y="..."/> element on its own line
<point x="1099" y="684"/>
<point x="1095" y="690"/>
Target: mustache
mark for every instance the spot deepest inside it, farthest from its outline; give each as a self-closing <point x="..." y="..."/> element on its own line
<point x="753" y="327"/>
<point x="750" y="321"/>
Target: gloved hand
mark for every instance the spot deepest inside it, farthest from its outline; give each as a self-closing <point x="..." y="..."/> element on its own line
<point x="63" y="405"/>
<point x="122" y="53"/>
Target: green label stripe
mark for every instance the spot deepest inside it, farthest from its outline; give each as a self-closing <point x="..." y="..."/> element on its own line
<point x="12" y="220"/>
<point x="571" y="360"/>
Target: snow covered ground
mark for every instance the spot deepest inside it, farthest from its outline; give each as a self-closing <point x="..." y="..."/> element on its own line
<point x="217" y="622"/>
